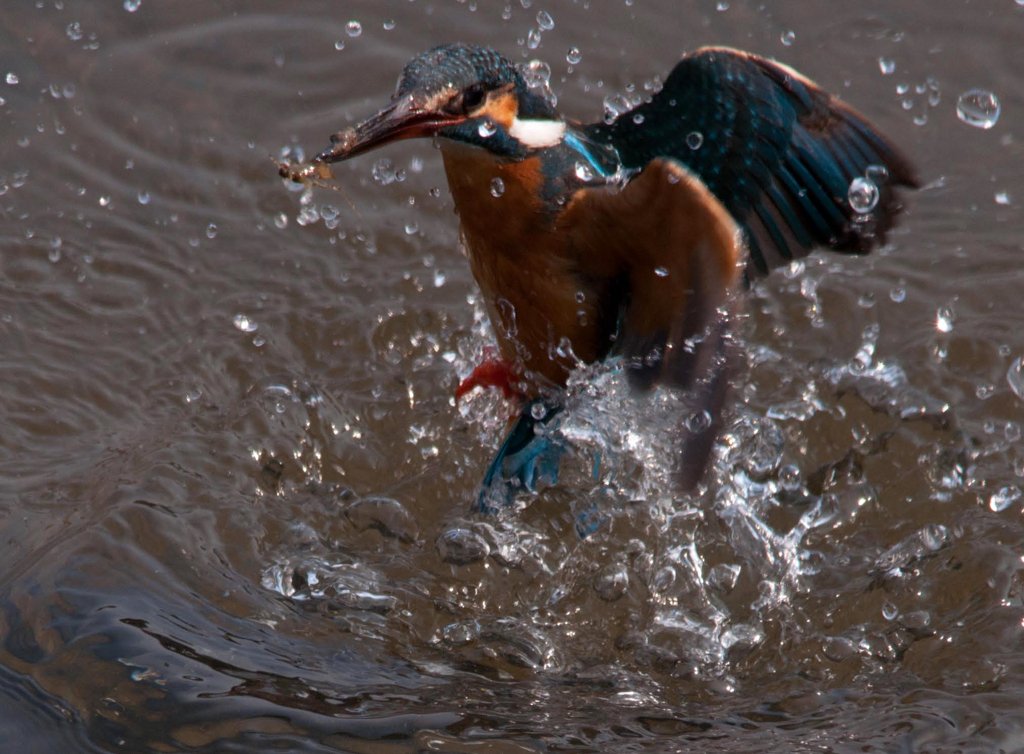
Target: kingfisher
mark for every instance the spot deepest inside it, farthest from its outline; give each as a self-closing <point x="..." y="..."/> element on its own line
<point x="631" y="239"/>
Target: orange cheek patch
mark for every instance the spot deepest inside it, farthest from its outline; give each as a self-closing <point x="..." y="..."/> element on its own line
<point x="502" y="108"/>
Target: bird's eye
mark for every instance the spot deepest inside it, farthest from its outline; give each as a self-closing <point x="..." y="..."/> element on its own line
<point x="472" y="97"/>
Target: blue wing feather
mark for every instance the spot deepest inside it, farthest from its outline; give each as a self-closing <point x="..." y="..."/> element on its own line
<point x="773" y="147"/>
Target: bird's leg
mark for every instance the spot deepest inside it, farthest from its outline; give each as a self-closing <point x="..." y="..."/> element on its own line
<point x="531" y="452"/>
<point x="492" y="371"/>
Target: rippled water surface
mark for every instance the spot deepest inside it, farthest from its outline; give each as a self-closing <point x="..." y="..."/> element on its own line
<point x="236" y="490"/>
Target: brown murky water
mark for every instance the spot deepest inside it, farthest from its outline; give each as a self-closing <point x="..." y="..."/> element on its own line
<point x="235" y="505"/>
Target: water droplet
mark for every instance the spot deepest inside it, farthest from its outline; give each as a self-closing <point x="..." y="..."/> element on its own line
<point x="583" y="172"/>
<point x="339" y="44"/>
<point x="611" y="582"/>
<point x="74" y="31"/>
<point x="104" y="201"/>
<point x="944" y="319"/>
<point x="1004" y="498"/>
<point x="487" y="128"/>
<point x="12" y="78"/>
<point x="698" y="422"/>
<point x="789" y="477"/>
<point x="497" y="187"/>
<point x="614" y="106"/>
<point x="538" y="73"/>
<point x="132" y="5"/>
<point x="877" y="174"/>
<point x="544" y="21"/>
<point x="573" y="56"/>
<point x="663" y="579"/>
<point x="661" y="272"/>
<point x="384" y="171"/>
<point x="788" y="38"/>
<point x="55" y="246"/>
<point x="886" y="66"/>
<point x="1015" y="377"/>
<point x="280" y="221"/>
<point x="143" y="197"/>
<point x="978" y="108"/>
<point x="722" y="7"/>
<point x="462" y="546"/>
<point x="694" y="139"/>
<point x="1002" y="197"/>
<point x="838" y="648"/>
<point x="916" y="620"/>
<point x="898" y="294"/>
<point x="638" y="118"/>
<point x="211" y="231"/>
<point x="889" y="611"/>
<point x="723" y="577"/>
<point x="538" y="411"/>
<point x="353" y="28"/>
<point x="863" y="195"/>
<point x="243" y="323"/>
<point x="533" y="39"/>
<point x="933" y="536"/>
<point x="411" y="229"/>
<point x="538" y="77"/>
<point x="389" y="24"/>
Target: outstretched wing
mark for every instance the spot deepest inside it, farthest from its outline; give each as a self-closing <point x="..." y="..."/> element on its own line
<point x="778" y="151"/>
<point x="672" y="258"/>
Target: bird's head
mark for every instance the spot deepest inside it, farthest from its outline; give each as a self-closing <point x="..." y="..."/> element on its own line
<point x="461" y="92"/>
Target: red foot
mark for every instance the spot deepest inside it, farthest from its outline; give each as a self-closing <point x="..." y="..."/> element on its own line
<point x="493" y="371"/>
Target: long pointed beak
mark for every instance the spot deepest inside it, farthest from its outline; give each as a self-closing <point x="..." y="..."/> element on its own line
<point x="399" y="120"/>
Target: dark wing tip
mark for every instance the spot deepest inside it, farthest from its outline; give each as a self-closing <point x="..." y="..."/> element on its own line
<point x="701" y="434"/>
<point x="901" y="170"/>
<point x="809" y="196"/>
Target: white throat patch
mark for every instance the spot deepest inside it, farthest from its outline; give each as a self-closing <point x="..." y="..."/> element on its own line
<point x="537" y="133"/>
